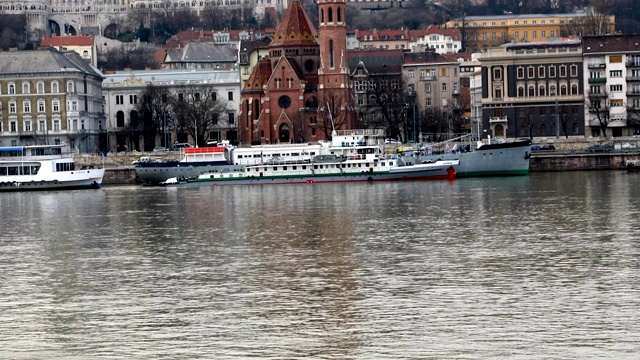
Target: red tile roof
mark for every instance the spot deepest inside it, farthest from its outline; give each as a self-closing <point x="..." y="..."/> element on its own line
<point x="453" y="33"/>
<point x="68" y="41"/>
<point x="295" y="29"/>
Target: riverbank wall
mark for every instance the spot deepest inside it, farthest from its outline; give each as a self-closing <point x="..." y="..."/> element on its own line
<point x="120" y="170"/>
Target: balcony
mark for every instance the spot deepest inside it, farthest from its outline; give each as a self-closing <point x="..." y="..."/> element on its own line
<point x="427" y="77"/>
<point x="633" y="92"/>
<point x="633" y="78"/>
<point x="596" y="95"/>
<point x="498" y="120"/>
<point x="633" y="63"/>
<point x="596" y="66"/>
<point x="598" y="80"/>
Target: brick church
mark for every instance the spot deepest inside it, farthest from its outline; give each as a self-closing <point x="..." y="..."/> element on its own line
<point x="300" y="92"/>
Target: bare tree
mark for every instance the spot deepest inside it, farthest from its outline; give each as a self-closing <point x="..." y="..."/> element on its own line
<point x="154" y="108"/>
<point x="335" y="109"/>
<point x="197" y="111"/>
<point x="599" y="106"/>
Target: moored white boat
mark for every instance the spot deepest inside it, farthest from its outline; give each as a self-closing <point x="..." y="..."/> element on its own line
<point x="351" y="156"/>
<point x="44" y="167"/>
<point x="495" y="159"/>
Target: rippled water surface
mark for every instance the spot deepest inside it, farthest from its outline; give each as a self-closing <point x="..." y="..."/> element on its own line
<point x="537" y="267"/>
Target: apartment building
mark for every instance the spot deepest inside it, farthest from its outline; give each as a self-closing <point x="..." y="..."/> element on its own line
<point x="123" y="91"/>
<point x="486" y="31"/>
<point x="434" y="79"/>
<point x="84" y="45"/>
<point x="533" y="90"/>
<point x="50" y="97"/>
<point x="612" y="74"/>
<point x="441" y="41"/>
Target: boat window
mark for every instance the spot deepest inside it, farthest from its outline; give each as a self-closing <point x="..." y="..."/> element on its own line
<point x="275" y="168"/>
<point x="13" y="170"/>
<point x="3" y="171"/>
<point x="304" y="167"/>
<point x="382" y="164"/>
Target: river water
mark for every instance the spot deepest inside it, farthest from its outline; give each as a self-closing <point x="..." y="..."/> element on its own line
<point x="537" y="267"/>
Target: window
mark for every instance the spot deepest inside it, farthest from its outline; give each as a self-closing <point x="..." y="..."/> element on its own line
<point x="42" y="125"/>
<point x="498" y="93"/>
<point x="497" y="74"/>
<point x="541" y="71"/>
<point x="535" y="34"/>
<point x="563" y="71"/>
<point x="493" y="36"/>
<point x="443" y="72"/>
<point x="530" y="72"/>
<point x="40" y="88"/>
<point x="574" y="70"/>
<point x="12" y="107"/>
<point x="552" y="90"/>
<point x="232" y="118"/>
<point x="532" y="91"/>
<point x="70" y="87"/>
<point x="54" y="86"/>
<point x="55" y="105"/>
<point x="428" y="102"/>
<point x="13" y="126"/>
<point x="617" y="103"/>
<point x="26" y="106"/>
<point x="615" y="73"/>
<point x="444" y="86"/>
<point x="12" y="89"/>
<point x="517" y="36"/>
<point x="574" y="89"/>
<point x="563" y="90"/>
<point x="541" y="91"/>
<point x="119" y="99"/>
<point x="553" y="32"/>
<point x="552" y="71"/>
<point x="526" y="35"/>
<point x="543" y="34"/>
<point x="427" y="87"/>
<point x="615" y="88"/>
<point x="133" y="99"/>
<point x="520" y="91"/>
<point x="410" y="73"/>
<point x="56" y="125"/>
<point x="41" y="107"/>
<point x="25" y="88"/>
<point x="74" y="106"/>
<point x="27" y="125"/>
<point x="615" y="58"/>
<point x="520" y="73"/>
<point x="230" y="95"/>
<point x="456" y="87"/>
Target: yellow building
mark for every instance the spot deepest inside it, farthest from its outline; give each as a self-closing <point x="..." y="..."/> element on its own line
<point x="493" y="30"/>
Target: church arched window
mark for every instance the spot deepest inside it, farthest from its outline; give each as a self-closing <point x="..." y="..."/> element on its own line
<point x="330" y="15"/>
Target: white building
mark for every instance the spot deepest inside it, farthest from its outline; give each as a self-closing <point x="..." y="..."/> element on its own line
<point x="124" y="90"/>
<point x="442" y="41"/>
<point x="612" y="84"/>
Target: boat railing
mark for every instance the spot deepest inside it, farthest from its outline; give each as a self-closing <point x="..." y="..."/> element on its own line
<point x="361" y="132"/>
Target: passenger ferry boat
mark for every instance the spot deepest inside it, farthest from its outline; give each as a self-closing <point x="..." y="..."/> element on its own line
<point x="43" y="167"/>
<point x="220" y="158"/>
<point x="351" y="156"/>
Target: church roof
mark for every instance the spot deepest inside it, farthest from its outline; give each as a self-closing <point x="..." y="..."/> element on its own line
<point x="295" y="29"/>
<point x="259" y="76"/>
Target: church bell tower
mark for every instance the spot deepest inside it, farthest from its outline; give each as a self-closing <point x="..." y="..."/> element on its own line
<point x="333" y="72"/>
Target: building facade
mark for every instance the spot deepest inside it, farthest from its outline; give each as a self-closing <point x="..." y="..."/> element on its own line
<point x="50" y="97"/>
<point x="123" y="92"/>
<point x="300" y="92"/>
<point x="612" y="74"/>
<point x="533" y="90"/>
<point x="481" y="32"/>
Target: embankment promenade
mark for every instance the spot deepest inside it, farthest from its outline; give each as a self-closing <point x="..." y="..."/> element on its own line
<point x="120" y="170"/>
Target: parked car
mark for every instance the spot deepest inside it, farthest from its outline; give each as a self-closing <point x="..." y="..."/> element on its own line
<point x="159" y="149"/>
<point x="600" y="148"/>
<point x="548" y="147"/>
<point x="182" y="145"/>
<point x="536" y="148"/>
<point x="392" y="141"/>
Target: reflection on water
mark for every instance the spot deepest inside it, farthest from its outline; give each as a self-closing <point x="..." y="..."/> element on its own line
<point x="533" y="267"/>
